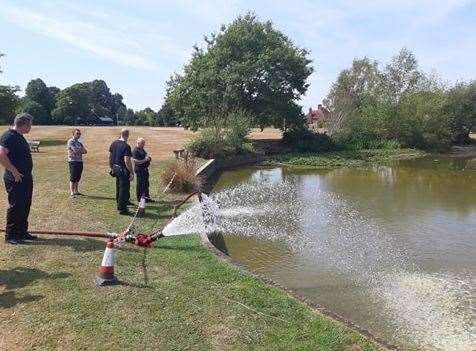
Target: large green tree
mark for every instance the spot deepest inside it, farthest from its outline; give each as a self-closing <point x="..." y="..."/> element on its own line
<point x="460" y="109"/>
<point x="40" y="115"/>
<point x="101" y="100"/>
<point x="8" y="101"/>
<point x="248" y="66"/>
<point x="73" y="104"/>
<point x="85" y="102"/>
<point x="166" y="116"/>
<point x="354" y="86"/>
<point x="399" y="103"/>
<point x="38" y="92"/>
<point x="146" y="117"/>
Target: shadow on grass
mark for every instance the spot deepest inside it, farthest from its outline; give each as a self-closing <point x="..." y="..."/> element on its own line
<point x="97" y="197"/>
<point x="20" y="277"/>
<point x="52" y="142"/>
<point x="78" y="245"/>
<point x="8" y="299"/>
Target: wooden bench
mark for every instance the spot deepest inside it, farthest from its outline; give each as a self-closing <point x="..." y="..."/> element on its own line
<point x="34" y="145"/>
<point x="180" y="153"/>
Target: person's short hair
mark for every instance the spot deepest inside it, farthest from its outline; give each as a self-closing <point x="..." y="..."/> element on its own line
<point x="125" y="133"/>
<point x="76" y="130"/>
<point x="22" y="119"/>
<point x="140" y="139"/>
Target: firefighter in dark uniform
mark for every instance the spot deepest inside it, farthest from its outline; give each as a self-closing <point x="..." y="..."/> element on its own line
<point x="121" y="168"/>
<point x="141" y="167"/>
<point x="15" y="156"/>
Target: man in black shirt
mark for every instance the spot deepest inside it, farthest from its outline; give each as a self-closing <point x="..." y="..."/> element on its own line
<point x="141" y="168"/>
<point x="15" y="156"/>
<point x="121" y="168"/>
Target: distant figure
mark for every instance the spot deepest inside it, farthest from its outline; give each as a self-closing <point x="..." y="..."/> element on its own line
<point x="141" y="168"/>
<point x="121" y="168"/>
<point x="76" y="150"/>
<point x="15" y="156"/>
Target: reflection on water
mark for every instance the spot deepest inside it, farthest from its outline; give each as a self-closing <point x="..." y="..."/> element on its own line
<point x="391" y="248"/>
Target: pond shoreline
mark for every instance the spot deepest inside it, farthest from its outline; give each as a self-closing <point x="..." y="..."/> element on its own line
<point x="315" y="307"/>
<point x="210" y="172"/>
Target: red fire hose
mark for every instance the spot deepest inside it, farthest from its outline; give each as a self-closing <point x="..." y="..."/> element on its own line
<point x="70" y="232"/>
<point x="139" y="239"/>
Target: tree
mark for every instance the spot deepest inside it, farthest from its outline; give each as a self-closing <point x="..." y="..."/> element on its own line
<point x="73" y="103"/>
<point x="8" y="103"/>
<point x="38" y="92"/>
<point x="101" y="100"/>
<point x="399" y="104"/>
<point x="247" y="66"/>
<point x="116" y="106"/>
<point x="353" y="87"/>
<point x="38" y="112"/>
<point x="130" y="117"/>
<point x="166" y="116"/>
<point x="146" y="117"/>
<point x="461" y="111"/>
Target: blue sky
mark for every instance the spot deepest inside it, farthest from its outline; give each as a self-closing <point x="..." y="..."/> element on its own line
<point x="136" y="45"/>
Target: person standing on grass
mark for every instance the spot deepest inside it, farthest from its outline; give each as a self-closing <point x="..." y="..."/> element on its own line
<point x="15" y="157"/>
<point x="76" y="150"/>
<point x="121" y="168"/>
<point x="141" y="168"/>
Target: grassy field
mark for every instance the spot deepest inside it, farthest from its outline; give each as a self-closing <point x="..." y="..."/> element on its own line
<point x="176" y="296"/>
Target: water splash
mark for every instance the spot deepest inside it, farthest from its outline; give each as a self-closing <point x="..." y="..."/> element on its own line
<point x="434" y="311"/>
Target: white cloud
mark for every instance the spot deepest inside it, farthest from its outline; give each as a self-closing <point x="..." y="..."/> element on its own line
<point x="84" y="35"/>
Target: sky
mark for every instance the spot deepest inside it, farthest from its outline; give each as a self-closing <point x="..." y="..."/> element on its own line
<point x="135" y="46"/>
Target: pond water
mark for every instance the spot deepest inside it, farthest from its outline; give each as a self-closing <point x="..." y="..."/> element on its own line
<point x="392" y="248"/>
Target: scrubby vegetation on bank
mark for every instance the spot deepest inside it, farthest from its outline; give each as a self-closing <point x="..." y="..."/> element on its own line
<point x="347" y="158"/>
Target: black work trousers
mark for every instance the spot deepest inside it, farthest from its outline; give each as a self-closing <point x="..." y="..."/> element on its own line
<point x="142" y="186"/>
<point x="123" y="186"/>
<point x="19" y="203"/>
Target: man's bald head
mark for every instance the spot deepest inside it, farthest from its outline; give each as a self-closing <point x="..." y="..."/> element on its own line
<point x="140" y="142"/>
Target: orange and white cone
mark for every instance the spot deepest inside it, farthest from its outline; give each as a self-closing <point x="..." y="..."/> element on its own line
<point x="106" y="269"/>
<point x="141" y="208"/>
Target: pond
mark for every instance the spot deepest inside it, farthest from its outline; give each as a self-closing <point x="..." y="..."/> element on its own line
<point x="391" y="248"/>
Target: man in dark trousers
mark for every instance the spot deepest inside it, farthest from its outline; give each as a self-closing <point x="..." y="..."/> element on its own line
<point x="141" y="168"/>
<point x="121" y="168"/>
<point x="15" y="156"/>
<point x="76" y="150"/>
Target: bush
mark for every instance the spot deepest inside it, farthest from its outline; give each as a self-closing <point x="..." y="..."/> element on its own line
<point x="364" y="142"/>
<point x="304" y="140"/>
<point x="208" y="144"/>
<point x="222" y="141"/>
<point x="181" y="176"/>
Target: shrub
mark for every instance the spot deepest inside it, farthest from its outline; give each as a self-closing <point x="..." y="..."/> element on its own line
<point x="181" y="176"/>
<point x="304" y="140"/>
<point x="208" y="144"/>
<point x="222" y="141"/>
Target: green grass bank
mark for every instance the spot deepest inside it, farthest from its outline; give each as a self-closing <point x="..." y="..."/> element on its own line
<point x="175" y="296"/>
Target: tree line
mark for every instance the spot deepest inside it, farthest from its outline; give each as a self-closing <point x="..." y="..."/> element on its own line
<point x="81" y="103"/>
<point x="249" y="74"/>
<point x="399" y="105"/>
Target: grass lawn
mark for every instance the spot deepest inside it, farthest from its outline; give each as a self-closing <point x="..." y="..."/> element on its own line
<point x="183" y="298"/>
<point x="351" y="158"/>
